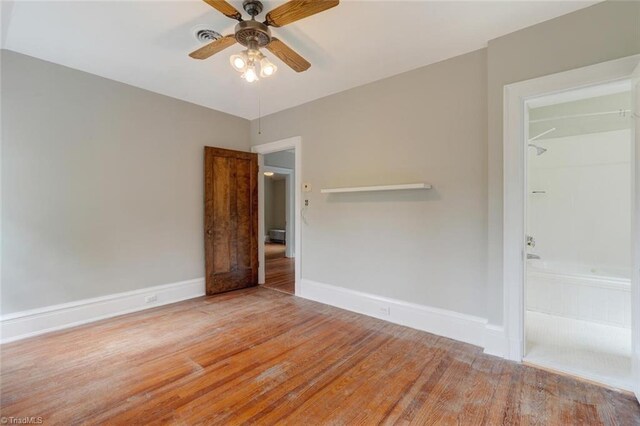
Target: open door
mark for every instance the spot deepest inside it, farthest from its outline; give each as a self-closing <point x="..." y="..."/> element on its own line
<point x="635" y="285"/>
<point x="230" y="219"/>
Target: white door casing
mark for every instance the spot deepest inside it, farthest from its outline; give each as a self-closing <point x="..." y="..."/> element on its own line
<point x="635" y="229"/>
<point x="294" y="143"/>
<point x="514" y="186"/>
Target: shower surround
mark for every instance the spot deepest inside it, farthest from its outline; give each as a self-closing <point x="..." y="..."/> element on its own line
<point x="579" y="215"/>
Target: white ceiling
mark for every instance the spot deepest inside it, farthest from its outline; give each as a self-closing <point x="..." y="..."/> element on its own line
<point x="145" y="44"/>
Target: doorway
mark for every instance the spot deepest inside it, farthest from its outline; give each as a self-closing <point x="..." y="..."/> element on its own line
<point x="279" y="199"/>
<point x="518" y="99"/>
<point x="279" y="223"/>
<point x="578" y="232"/>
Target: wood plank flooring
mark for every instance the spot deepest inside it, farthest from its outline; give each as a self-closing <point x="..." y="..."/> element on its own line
<point x="274" y="251"/>
<point x="258" y="356"/>
<point x="279" y="270"/>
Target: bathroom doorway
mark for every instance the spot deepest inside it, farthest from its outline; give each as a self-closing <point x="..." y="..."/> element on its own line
<point x="578" y="225"/>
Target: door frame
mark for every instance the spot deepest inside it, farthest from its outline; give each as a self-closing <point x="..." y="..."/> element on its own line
<point x="294" y="143"/>
<point x="289" y="207"/>
<point x="515" y="137"/>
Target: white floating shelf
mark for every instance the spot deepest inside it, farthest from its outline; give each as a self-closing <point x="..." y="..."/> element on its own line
<point x="376" y="188"/>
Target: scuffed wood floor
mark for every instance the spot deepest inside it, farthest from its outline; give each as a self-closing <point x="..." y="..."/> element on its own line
<point x="259" y="356"/>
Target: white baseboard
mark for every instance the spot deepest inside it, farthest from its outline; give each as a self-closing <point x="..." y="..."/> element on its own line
<point x="495" y="341"/>
<point x="454" y="325"/>
<point x="21" y="325"/>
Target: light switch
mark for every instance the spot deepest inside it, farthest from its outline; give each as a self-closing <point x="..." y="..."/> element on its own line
<point x="306" y="187"/>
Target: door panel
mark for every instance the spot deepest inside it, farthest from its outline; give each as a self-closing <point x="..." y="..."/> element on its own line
<point x="231" y="220"/>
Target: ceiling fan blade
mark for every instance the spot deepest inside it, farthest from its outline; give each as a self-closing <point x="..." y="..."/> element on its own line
<point x="214" y="47"/>
<point x="225" y="8"/>
<point x="288" y="55"/>
<point x="295" y="10"/>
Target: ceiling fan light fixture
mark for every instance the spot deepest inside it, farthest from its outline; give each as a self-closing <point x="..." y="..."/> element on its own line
<point x="250" y="74"/>
<point x="239" y="62"/>
<point x="256" y="34"/>
<point x="267" y="69"/>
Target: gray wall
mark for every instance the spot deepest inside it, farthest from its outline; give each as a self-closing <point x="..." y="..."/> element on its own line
<point x="599" y="33"/>
<point x="440" y="124"/>
<point x="101" y="184"/>
<point x="284" y="159"/>
<point x="279" y="203"/>
<point x="427" y="125"/>
<point x="274" y="204"/>
<point x="268" y="205"/>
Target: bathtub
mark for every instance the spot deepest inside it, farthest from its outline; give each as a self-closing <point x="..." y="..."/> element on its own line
<point x="593" y="294"/>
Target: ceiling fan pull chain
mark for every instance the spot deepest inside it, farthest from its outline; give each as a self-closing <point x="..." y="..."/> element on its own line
<point x="259" y="111"/>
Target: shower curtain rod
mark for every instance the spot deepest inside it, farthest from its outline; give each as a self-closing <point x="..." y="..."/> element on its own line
<point x="542" y="134"/>
<point x="621" y="112"/>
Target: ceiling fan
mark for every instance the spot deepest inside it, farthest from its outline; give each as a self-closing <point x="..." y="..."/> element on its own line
<point x="255" y="35"/>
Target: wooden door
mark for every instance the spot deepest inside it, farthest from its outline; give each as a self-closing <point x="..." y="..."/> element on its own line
<point x="230" y="219"/>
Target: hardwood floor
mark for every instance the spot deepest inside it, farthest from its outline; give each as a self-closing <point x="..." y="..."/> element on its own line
<point x="258" y="356"/>
<point x="279" y="270"/>
<point x="274" y="251"/>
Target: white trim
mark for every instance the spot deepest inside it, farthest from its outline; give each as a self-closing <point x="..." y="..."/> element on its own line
<point x="515" y="96"/>
<point x="611" y="382"/>
<point x="495" y="340"/>
<point x="20" y="325"/>
<point x="376" y="188"/>
<point x="635" y="231"/>
<point x="454" y="325"/>
<point x="289" y="207"/>
<point x="294" y="143"/>
<point x="279" y="170"/>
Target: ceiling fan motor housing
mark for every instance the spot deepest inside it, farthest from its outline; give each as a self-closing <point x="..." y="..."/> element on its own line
<point x="253" y="34"/>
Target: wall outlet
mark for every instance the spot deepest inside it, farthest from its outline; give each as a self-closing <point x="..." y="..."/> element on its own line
<point x="151" y="299"/>
<point x="384" y="309"/>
